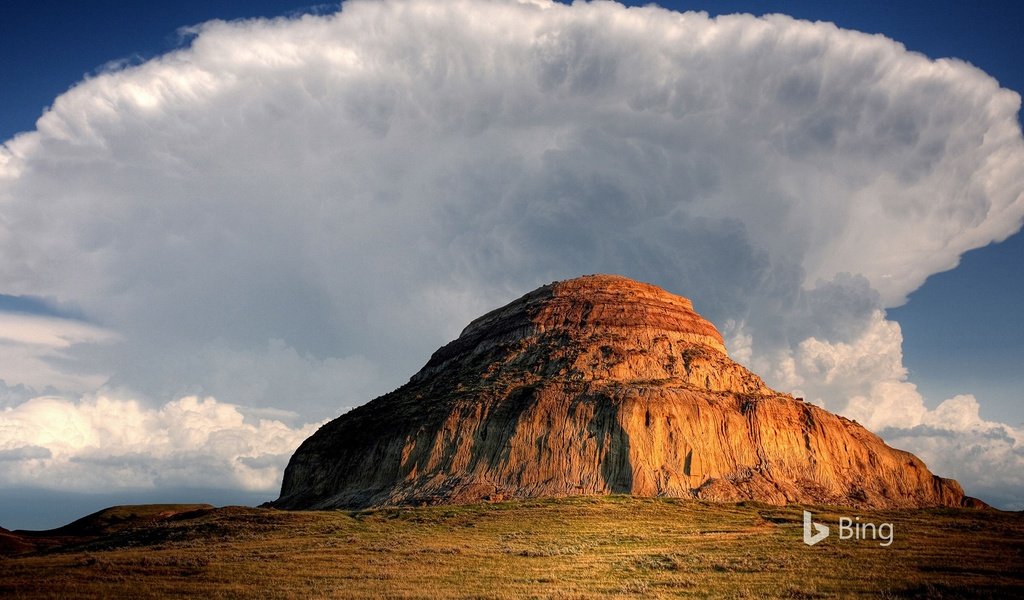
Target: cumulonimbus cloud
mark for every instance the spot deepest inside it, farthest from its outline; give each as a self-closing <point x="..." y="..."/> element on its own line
<point x="346" y="191"/>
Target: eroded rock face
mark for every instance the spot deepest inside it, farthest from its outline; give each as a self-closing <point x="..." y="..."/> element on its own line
<point x="598" y="385"/>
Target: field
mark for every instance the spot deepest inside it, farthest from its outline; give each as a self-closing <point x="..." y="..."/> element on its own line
<point x="613" y="547"/>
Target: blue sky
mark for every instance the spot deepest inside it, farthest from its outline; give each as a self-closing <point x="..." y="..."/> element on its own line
<point x="112" y="342"/>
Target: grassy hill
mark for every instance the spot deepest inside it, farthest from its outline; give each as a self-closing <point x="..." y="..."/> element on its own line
<point x="611" y="547"/>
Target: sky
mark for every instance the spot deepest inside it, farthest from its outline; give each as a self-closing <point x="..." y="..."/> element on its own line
<point x="219" y="234"/>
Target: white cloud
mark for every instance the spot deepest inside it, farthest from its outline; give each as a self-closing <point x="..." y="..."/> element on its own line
<point x="867" y="374"/>
<point x="829" y="373"/>
<point x="47" y="331"/>
<point x="307" y="208"/>
<point x="986" y="457"/>
<point x="100" y="443"/>
<point x="37" y="352"/>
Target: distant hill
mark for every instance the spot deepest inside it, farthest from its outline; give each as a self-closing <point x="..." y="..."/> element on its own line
<point x="113" y="521"/>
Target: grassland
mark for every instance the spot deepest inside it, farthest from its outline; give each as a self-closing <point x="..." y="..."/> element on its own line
<point x="615" y="547"/>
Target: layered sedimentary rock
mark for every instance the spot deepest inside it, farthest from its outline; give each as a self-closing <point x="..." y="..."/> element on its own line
<point x="598" y="385"/>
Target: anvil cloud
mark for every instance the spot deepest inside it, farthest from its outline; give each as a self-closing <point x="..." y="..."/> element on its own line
<point x="292" y="214"/>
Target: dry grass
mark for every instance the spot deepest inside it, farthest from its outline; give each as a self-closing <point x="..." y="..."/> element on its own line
<point x="615" y="547"/>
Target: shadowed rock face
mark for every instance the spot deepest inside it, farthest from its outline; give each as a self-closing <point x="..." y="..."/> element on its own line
<point x="598" y="385"/>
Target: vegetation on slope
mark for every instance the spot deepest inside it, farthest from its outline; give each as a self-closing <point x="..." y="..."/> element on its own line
<point x="604" y="547"/>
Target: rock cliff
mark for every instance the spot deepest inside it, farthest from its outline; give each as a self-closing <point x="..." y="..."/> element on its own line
<point x="598" y="385"/>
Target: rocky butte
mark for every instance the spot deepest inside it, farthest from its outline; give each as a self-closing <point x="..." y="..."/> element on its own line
<point x="598" y="385"/>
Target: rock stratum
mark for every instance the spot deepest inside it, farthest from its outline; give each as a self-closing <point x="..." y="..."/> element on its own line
<point x="598" y="385"/>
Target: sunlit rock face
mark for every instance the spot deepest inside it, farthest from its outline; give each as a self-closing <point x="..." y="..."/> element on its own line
<point x="598" y="385"/>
